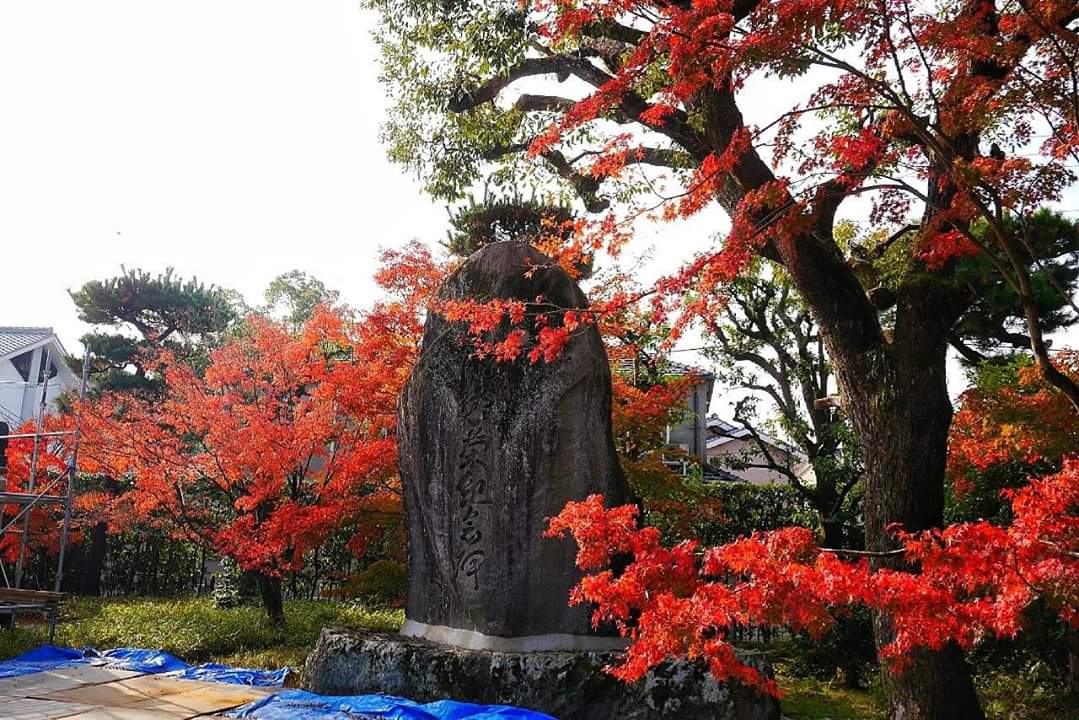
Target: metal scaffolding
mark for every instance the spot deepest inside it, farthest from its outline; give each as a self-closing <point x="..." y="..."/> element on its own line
<point x="14" y="598"/>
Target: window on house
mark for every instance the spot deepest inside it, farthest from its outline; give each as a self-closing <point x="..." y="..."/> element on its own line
<point x="22" y="364"/>
<point x="41" y="372"/>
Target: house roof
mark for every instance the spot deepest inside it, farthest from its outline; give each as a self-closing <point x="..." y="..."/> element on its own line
<point x="722" y="432"/>
<point x="14" y="339"/>
<point x="680" y="369"/>
<point x="670" y="367"/>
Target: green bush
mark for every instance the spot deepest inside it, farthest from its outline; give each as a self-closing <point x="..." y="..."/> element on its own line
<point x="747" y="508"/>
<point x="382" y="581"/>
<point x="846" y="649"/>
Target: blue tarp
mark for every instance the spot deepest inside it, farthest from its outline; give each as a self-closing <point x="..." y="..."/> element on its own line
<point x="45" y="657"/>
<point x="286" y="705"/>
<point x="146" y="661"/>
<point x="213" y="672"/>
<point x="48" y="657"/>
<point x="300" y="705"/>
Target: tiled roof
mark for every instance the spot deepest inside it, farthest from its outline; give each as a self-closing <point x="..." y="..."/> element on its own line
<point x="625" y="365"/>
<point x="722" y="432"/>
<point x="13" y="339"/>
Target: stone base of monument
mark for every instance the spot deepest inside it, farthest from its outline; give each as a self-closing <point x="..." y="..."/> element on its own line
<point x="570" y="685"/>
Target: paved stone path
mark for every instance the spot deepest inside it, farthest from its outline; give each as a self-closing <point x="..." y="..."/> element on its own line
<point x="96" y="693"/>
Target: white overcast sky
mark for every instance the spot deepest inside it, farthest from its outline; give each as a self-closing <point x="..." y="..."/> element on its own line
<point x="231" y="139"/>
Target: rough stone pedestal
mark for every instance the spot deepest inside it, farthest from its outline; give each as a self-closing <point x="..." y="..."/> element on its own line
<point x="566" y="684"/>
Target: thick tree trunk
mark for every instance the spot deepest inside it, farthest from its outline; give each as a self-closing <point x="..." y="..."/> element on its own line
<point x="896" y="396"/>
<point x="834" y="535"/>
<point x="270" y="592"/>
<point x="902" y="415"/>
<point x="93" y="560"/>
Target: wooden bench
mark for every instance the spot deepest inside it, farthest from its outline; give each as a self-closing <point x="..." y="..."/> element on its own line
<point x="13" y="600"/>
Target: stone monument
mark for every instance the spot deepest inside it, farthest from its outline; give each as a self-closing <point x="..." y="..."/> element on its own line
<point x="488" y="451"/>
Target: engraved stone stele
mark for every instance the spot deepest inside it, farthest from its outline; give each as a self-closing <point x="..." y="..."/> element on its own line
<point x="488" y="451"/>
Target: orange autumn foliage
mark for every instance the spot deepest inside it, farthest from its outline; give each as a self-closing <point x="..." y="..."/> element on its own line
<point x="285" y="438"/>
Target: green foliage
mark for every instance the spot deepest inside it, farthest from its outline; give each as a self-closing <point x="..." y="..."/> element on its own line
<point x="293" y="296"/>
<point x="197" y="631"/>
<point x="17" y="641"/>
<point x="1050" y="242"/>
<point x="477" y="224"/>
<point x="767" y="343"/>
<point x="1034" y="693"/>
<point x="846" y="649"/>
<point x="149" y="562"/>
<point x="148" y="312"/>
<point x="432" y="52"/>
<point x="747" y="508"/>
<point x="383" y="581"/>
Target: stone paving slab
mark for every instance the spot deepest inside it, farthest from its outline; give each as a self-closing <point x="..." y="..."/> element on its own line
<point x="129" y="713"/>
<point x="49" y="681"/>
<point x="186" y="697"/>
<point x="12" y="708"/>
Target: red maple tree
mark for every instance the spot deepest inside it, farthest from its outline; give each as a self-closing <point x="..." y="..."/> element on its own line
<point x="51" y="477"/>
<point x="973" y="579"/>
<point x="284" y="438"/>
<point x="944" y="125"/>
<point x="1018" y="418"/>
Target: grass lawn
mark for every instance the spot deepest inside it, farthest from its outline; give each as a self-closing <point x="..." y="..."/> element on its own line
<point x="808" y="699"/>
<point x="197" y="631"/>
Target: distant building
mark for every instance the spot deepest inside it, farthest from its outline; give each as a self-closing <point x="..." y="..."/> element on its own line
<point x="23" y="372"/>
<point x="691" y="435"/>
<point x="733" y="454"/>
<point x="724" y="449"/>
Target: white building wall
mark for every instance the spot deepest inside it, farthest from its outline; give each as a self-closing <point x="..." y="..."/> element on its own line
<point x="11" y="393"/>
<point x="19" y="399"/>
<point x="745" y="449"/>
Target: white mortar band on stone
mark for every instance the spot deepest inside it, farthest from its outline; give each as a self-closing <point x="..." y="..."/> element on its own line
<point x="472" y="640"/>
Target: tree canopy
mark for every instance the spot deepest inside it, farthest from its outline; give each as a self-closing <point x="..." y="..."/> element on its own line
<point x="156" y="311"/>
<point x="944" y="128"/>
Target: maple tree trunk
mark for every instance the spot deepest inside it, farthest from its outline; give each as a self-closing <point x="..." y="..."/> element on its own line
<point x="834" y="536"/>
<point x="902" y="415"/>
<point x="896" y="396"/>
<point x="93" y="561"/>
<point x="270" y="592"/>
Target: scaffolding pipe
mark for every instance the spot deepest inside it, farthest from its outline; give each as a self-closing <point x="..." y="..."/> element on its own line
<point x="71" y="470"/>
<point x="39" y="421"/>
<point x="58" y="433"/>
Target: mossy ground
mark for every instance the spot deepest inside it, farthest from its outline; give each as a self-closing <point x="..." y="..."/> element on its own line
<point x="807" y="699"/>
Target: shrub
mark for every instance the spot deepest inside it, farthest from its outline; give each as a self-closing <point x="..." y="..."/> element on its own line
<point x="383" y="580"/>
